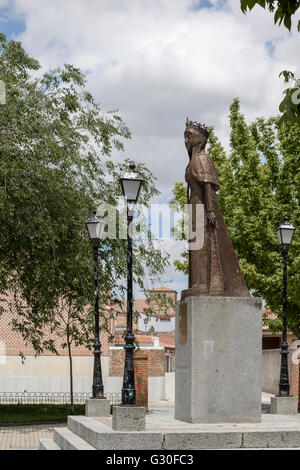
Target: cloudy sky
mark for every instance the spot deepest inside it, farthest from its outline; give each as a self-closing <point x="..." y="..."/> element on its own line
<point x="159" y="62"/>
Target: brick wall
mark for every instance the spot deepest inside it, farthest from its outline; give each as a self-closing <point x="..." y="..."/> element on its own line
<point x="156" y="364"/>
<point x="116" y="362"/>
<point x="14" y="342"/>
<point x="141" y="378"/>
<point x="295" y="374"/>
<point x="156" y="361"/>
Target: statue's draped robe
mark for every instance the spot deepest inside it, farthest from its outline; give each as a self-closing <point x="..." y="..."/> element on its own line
<point x="214" y="268"/>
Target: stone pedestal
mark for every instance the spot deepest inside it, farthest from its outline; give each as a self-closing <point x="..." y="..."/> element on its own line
<point x="97" y="407"/>
<point x="284" y="405"/>
<point x="218" y="359"/>
<point x="128" y="418"/>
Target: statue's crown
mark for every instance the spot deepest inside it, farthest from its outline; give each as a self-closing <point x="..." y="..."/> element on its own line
<point x="200" y="127"/>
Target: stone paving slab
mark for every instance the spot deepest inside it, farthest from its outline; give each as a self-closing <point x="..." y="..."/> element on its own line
<point x="25" y="448"/>
<point x="24" y="436"/>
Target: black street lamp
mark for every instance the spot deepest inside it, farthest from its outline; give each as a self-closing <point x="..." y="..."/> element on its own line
<point x="131" y="185"/>
<point x="95" y="227"/>
<point x="284" y="233"/>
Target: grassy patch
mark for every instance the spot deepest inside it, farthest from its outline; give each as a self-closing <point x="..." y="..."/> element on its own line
<point x="36" y="413"/>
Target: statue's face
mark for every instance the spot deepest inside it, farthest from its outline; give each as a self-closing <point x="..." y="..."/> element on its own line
<point x="193" y="137"/>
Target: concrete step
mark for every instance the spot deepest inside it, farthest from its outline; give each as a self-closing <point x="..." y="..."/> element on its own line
<point x="48" y="444"/>
<point x="67" y="440"/>
<point x="101" y="436"/>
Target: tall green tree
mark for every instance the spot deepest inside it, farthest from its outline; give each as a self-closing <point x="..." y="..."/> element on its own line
<point x="260" y="184"/>
<point x="283" y="11"/>
<point x="55" y="168"/>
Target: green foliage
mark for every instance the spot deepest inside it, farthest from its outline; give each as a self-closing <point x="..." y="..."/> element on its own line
<point x="284" y="10"/>
<point x="260" y="184"/>
<point x="31" y="414"/>
<point x="55" y="168"/>
<point x="290" y="105"/>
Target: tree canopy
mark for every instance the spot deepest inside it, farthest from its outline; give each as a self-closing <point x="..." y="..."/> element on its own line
<point x="260" y="184"/>
<point x="283" y="9"/>
<point x="55" y="168"/>
<point x="283" y="12"/>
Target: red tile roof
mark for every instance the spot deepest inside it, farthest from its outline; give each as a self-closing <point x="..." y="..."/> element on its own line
<point x="140" y="338"/>
<point x="167" y="340"/>
<point x="164" y="289"/>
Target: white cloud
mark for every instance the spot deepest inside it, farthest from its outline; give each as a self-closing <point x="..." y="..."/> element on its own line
<point x="161" y="61"/>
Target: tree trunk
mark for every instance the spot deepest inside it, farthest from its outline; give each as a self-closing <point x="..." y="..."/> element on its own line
<point x="71" y="374"/>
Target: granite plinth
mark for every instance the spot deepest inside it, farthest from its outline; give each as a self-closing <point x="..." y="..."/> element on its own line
<point x="284" y="405"/>
<point x="218" y="359"/>
<point x="97" y="407"/>
<point x="128" y="418"/>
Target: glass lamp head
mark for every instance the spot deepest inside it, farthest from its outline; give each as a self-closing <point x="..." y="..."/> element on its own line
<point x="285" y="233"/>
<point x="131" y="184"/>
<point x="95" y="227"/>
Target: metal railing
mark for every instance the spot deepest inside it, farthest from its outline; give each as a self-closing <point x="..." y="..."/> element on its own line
<point x="52" y="398"/>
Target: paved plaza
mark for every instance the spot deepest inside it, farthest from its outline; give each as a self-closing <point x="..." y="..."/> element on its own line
<point x="14" y="437"/>
<point x="161" y="415"/>
<point x="25" y="436"/>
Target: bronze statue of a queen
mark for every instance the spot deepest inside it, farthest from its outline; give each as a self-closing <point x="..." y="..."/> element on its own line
<point x="213" y="268"/>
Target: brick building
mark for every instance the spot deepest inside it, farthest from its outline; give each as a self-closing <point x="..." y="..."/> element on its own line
<point x="159" y="322"/>
<point x="271" y="340"/>
<point x="50" y="373"/>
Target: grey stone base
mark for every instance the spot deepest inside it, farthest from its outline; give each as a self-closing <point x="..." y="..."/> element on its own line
<point x="48" y="444"/>
<point x="284" y="405"/>
<point x="218" y="360"/>
<point x="128" y="418"/>
<point x="97" y="407"/>
<point x="162" y="434"/>
<point x="65" y="439"/>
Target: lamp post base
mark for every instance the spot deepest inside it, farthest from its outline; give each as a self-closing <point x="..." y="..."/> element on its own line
<point x="98" y="391"/>
<point x="284" y="405"/>
<point x="128" y="396"/>
<point x="128" y="418"/>
<point x="97" y="407"/>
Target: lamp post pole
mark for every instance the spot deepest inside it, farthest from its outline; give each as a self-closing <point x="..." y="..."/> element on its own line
<point x="285" y="233"/>
<point x="95" y="227"/>
<point x="284" y="385"/>
<point x="131" y="184"/>
<point x="97" y="376"/>
<point x="128" y="390"/>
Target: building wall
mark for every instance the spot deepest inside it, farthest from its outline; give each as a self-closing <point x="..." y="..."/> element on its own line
<point x="159" y="325"/>
<point x="156" y="369"/>
<point x="156" y="361"/>
<point x="271" y="360"/>
<point x="48" y="373"/>
<point x="295" y="371"/>
<point x="51" y="373"/>
<point x="273" y="341"/>
<point x="14" y="344"/>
